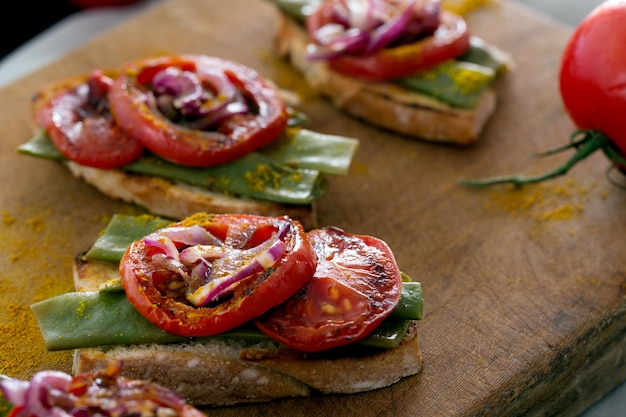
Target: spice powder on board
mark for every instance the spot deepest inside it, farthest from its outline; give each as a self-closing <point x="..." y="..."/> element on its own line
<point x="35" y="259"/>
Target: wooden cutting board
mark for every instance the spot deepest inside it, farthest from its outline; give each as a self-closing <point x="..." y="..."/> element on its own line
<point x="525" y="290"/>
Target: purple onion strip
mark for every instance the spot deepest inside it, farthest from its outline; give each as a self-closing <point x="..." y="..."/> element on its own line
<point x="193" y="254"/>
<point x="389" y="31"/>
<point x="191" y="235"/>
<point x="365" y="27"/>
<point x="14" y="390"/>
<point x="184" y="86"/>
<point x="205" y="98"/>
<point x="40" y="385"/>
<point x="263" y="260"/>
<point x="163" y="243"/>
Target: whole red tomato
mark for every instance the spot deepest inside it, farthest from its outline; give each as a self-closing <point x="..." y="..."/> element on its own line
<point x="592" y="84"/>
<point x="593" y="72"/>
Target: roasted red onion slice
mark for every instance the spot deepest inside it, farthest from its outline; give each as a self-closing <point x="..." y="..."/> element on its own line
<point x="192" y="235"/>
<point x="390" y="30"/>
<point x="166" y="240"/>
<point x="14" y="390"/>
<point x="102" y="393"/>
<point x="164" y="244"/>
<point x="37" y="396"/>
<point x="199" y="99"/>
<point x="238" y="265"/>
<point x="337" y="40"/>
<point x="207" y="265"/>
<point x="183" y="86"/>
<point x="364" y="27"/>
<point x="196" y="253"/>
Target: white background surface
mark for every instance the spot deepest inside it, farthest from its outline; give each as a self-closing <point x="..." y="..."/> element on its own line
<point x="79" y="28"/>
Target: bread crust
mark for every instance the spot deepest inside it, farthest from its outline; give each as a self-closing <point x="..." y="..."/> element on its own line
<point x="205" y="374"/>
<point x="226" y="372"/>
<point x="348" y="373"/>
<point x="164" y="197"/>
<point x="382" y="104"/>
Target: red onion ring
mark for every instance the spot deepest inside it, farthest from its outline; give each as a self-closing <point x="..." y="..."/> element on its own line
<point x="364" y="27"/>
<point x="198" y="100"/>
<point x="192" y="235"/>
<point x="211" y="269"/>
<point x="250" y="261"/>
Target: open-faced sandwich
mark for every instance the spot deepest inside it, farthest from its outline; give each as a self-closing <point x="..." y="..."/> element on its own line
<point x="102" y="393"/>
<point x="408" y="66"/>
<point x="232" y="308"/>
<point x="188" y="133"/>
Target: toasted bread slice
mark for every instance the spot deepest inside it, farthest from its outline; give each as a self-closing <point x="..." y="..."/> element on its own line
<point x="386" y="105"/>
<point x="225" y="372"/>
<point x="164" y="197"/>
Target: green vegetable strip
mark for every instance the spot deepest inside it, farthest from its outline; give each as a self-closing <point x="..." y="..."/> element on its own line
<point x="121" y="231"/>
<point x="88" y="319"/>
<point x="411" y="304"/>
<point x="307" y="149"/>
<point x="299" y="179"/>
<point x="485" y="55"/>
<point x="41" y="146"/>
<point x="252" y="175"/>
<point x="460" y="84"/>
<point x="388" y="335"/>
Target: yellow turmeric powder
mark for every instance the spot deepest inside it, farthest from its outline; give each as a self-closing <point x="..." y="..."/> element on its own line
<point x="543" y="201"/>
<point x="30" y="270"/>
<point x="35" y="264"/>
<point x="264" y="176"/>
<point x="463" y="7"/>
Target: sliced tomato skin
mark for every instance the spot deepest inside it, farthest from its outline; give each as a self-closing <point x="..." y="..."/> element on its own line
<point x="251" y="298"/>
<point x="83" y="129"/>
<point x="236" y="137"/>
<point x="450" y="40"/>
<point x="357" y="283"/>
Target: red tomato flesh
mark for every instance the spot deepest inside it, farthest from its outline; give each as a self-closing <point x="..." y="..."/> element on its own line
<point x="238" y="135"/>
<point x="79" y="123"/>
<point x="356" y="284"/>
<point x="158" y="290"/>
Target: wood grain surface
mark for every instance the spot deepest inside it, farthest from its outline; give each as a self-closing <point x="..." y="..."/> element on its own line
<point x="525" y="290"/>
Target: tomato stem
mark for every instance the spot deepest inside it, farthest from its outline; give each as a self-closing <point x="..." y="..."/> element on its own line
<point x="591" y="141"/>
